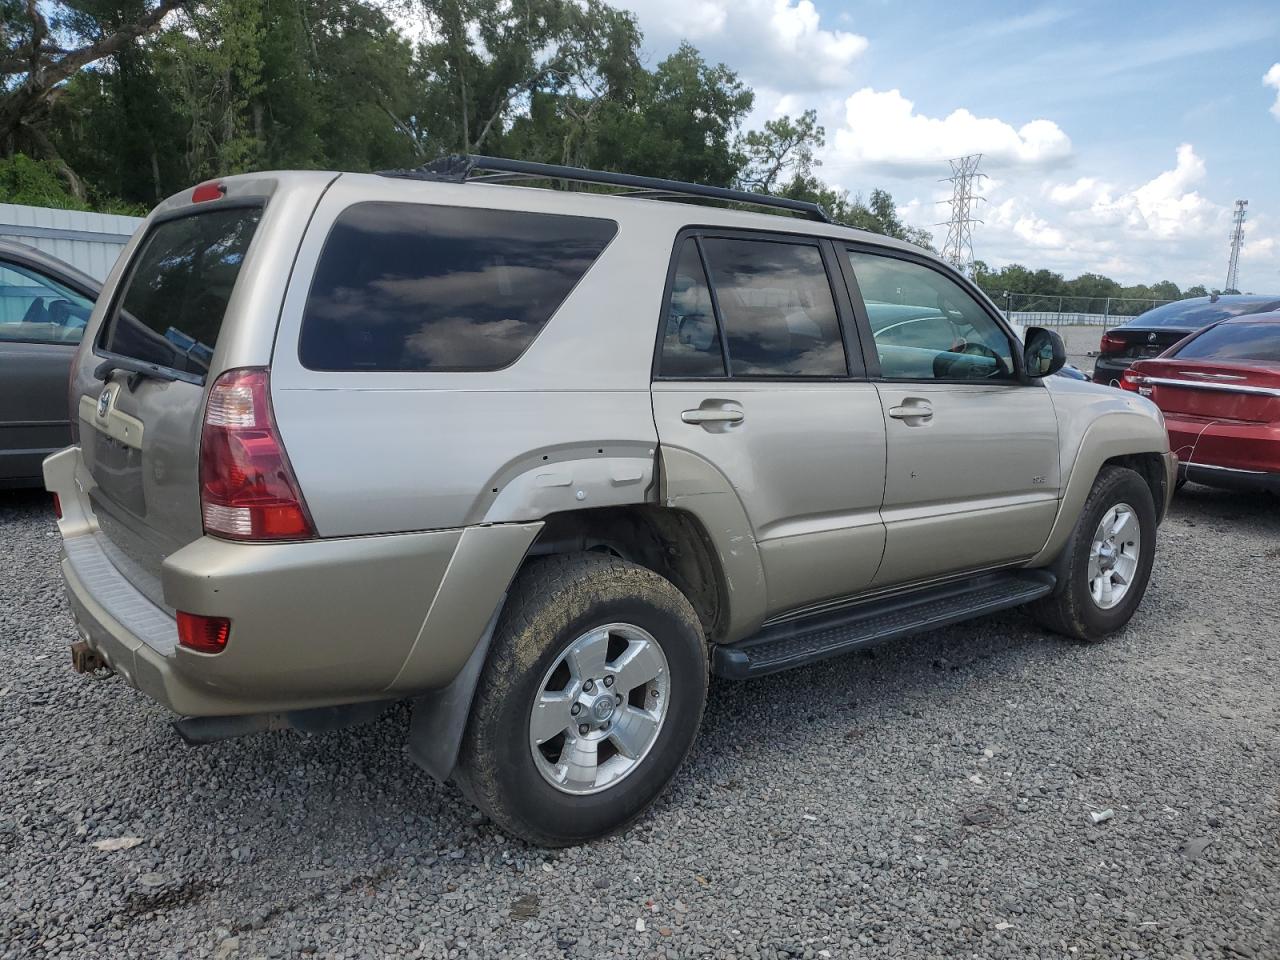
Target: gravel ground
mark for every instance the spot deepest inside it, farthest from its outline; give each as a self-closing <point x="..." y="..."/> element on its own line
<point x="931" y="798"/>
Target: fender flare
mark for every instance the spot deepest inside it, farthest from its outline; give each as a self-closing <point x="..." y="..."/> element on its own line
<point x="1111" y="435"/>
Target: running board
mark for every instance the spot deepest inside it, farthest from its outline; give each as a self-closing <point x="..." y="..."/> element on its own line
<point x="799" y="642"/>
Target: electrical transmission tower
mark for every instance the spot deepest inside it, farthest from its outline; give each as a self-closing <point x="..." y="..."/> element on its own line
<point x="1237" y="241"/>
<point x="958" y="250"/>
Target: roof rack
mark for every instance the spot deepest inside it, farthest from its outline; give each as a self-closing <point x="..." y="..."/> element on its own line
<point x="459" y="168"/>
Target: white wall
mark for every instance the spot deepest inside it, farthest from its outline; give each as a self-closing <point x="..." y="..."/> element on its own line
<point x="88" y="241"/>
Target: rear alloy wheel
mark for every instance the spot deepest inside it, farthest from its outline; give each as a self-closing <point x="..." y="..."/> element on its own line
<point x="589" y="701"/>
<point x="1105" y="566"/>
<point x="601" y="709"/>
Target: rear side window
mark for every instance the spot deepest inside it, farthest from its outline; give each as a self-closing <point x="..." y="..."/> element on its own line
<point x="1235" y="341"/>
<point x="417" y="287"/>
<point x="776" y="307"/>
<point x="173" y="300"/>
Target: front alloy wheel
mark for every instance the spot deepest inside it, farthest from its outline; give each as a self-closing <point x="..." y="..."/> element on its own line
<point x="1114" y="555"/>
<point x="1106" y="563"/>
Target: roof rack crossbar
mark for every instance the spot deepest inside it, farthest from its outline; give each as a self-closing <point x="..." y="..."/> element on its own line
<point x="460" y="167"/>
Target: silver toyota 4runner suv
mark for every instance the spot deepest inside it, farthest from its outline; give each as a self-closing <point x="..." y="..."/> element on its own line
<point x="541" y="460"/>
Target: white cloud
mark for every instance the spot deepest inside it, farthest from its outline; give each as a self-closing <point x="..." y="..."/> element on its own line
<point x="778" y="43"/>
<point x="883" y="131"/>
<point x="1272" y="79"/>
<point x="1138" y="232"/>
<point x="1165" y="206"/>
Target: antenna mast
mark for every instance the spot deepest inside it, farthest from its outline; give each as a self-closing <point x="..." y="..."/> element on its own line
<point x="1237" y="241"/>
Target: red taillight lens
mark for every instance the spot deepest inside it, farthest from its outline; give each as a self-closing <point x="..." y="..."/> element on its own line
<point x="203" y="634"/>
<point x="57" y="506"/>
<point x="247" y="488"/>
<point x="1130" y="381"/>
<point x="208" y="191"/>
<point x="1111" y="344"/>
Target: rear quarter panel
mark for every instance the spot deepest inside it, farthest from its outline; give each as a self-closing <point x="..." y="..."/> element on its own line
<point x="569" y="425"/>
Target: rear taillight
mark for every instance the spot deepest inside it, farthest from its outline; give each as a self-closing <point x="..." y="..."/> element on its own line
<point x="247" y="488"/>
<point x="203" y="634"/>
<point x="1135" y="382"/>
<point x="57" y="506"/>
<point x="1111" y="344"/>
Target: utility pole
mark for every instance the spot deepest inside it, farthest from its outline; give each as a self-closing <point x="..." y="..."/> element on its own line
<point x="1237" y="241"/>
<point x="958" y="250"/>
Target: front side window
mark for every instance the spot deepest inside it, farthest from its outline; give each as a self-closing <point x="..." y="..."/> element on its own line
<point x="776" y="308"/>
<point x="690" y="340"/>
<point x="35" y="307"/>
<point x="419" y="287"/>
<point x="177" y="290"/>
<point x="927" y="327"/>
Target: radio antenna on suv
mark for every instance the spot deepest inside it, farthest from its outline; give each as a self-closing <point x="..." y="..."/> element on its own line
<point x="460" y="168"/>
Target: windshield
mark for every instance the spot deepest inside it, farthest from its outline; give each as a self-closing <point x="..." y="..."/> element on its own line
<point x="1236" y="341"/>
<point x="1194" y="314"/>
<point x="171" y="309"/>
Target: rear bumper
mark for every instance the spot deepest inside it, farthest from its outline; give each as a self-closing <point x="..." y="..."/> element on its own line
<point x="1235" y="455"/>
<point x="313" y="623"/>
<point x="1230" y="479"/>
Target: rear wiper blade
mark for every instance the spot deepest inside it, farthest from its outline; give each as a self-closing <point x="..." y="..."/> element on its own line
<point x="140" y="368"/>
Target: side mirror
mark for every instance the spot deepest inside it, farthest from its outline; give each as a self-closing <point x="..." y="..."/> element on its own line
<point x="1044" y="353"/>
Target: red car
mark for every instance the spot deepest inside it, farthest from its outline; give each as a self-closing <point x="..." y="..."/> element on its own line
<point x="1220" y="392"/>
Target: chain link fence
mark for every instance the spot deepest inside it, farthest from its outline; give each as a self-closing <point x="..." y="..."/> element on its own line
<point x="1033" y="309"/>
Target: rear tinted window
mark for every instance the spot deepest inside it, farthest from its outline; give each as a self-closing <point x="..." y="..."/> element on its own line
<point x="1194" y="314"/>
<point x="415" y="287"/>
<point x="176" y="292"/>
<point x="776" y="305"/>
<point x="1235" y="341"/>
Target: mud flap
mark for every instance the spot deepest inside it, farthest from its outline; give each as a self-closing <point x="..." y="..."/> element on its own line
<point x="440" y="717"/>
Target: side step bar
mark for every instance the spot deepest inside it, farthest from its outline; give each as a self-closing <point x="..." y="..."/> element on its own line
<point x="798" y="642"/>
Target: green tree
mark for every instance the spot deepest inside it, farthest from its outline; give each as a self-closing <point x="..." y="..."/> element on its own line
<point x="783" y="148"/>
<point x="681" y="123"/>
<point x="36" y="183"/>
<point x="488" y="59"/>
<point x="43" y="45"/>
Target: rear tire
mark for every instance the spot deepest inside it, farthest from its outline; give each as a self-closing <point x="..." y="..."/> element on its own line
<point x="576" y="633"/>
<point x="1100" y="586"/>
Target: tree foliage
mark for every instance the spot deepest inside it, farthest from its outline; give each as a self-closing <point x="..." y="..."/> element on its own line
<point x="1088" y="293"/>
<point x="110" y="103"/>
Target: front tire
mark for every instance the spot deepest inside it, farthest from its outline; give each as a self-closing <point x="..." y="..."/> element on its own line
<point x="589" y="702"/>
<point x="1106" y="564"/>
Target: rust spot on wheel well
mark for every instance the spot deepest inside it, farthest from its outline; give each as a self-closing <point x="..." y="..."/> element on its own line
<point x="669" y="542"/>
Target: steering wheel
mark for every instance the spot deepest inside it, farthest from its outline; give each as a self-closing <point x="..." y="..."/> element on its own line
<point x="976" y="348"/>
